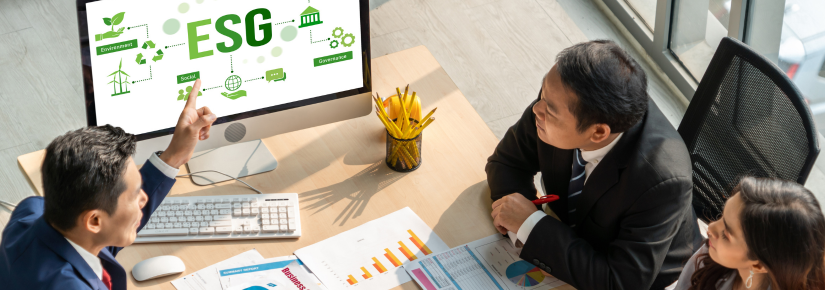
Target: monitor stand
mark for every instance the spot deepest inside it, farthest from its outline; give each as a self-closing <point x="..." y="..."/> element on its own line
<point x="237" y="160"/>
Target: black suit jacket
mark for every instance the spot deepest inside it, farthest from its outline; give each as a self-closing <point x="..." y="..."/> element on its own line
<point x="635" y="227"/>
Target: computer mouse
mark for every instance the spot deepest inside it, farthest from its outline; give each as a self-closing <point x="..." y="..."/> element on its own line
<point x="157" y="267"/>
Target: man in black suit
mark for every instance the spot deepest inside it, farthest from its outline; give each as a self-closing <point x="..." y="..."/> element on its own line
<point x="623" y="175"/>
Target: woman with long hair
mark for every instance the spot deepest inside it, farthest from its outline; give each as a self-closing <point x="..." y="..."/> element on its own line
<point x="771" y="235"/>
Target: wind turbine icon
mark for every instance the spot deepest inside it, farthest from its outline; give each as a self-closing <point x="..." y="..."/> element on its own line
<point x="117" y="80"/>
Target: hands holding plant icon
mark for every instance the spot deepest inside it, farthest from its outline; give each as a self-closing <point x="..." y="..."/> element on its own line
<point x="115" y="20"/>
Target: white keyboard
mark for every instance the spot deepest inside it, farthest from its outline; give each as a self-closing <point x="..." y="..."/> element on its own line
<point x="223" y="217"/>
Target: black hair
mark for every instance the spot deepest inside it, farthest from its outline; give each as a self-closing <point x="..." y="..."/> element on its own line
<point x="611" y="87"/>
<point x="83" y="170"/>
<point x="784" y="229"/>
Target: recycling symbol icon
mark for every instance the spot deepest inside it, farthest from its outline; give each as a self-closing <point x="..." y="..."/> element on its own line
<point x="149" y="45"/>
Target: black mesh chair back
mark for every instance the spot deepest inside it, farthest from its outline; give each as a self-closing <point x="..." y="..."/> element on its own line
<point x="746" y="118"/>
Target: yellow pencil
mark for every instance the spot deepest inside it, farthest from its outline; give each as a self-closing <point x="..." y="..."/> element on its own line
<point x="396" y="132"/>
<point x="411" y="144"/>
<point x="426" y="118"/>
<point x="407" y="89"/>
<point x="380" y="104"/>
<point x="412" y="100"/>
<point x="396" y="151"/>
<point x="377" y="100"/>
<point x="390" y="125"/>
<point x="389" y="128"/>
<point x="383" y="116"/>
<point x="424" y="126"/>
<point x="401" y="101"/>
<point x="411" y="159"/>
<point x="404" y="116"/>
<point x="418" y="130"/>
<point x="400" y="97"/>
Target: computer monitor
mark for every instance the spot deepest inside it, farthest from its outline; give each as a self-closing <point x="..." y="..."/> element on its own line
<point x="266" y="68"/>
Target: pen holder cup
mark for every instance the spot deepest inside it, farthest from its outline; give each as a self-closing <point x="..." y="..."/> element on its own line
<point x="404" y="155"/>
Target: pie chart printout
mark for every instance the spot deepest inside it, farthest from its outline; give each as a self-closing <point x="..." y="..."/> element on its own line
<point x="522" y="273"/>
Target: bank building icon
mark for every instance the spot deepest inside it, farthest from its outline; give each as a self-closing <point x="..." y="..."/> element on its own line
<point x="310" y="17"/>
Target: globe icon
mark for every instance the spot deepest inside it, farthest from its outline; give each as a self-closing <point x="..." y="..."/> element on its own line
<point x="232" y="83"/>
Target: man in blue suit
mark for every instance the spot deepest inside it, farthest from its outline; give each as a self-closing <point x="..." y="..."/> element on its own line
<point x="95" y="201"/>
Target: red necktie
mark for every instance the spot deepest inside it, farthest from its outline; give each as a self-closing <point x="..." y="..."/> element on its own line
<point x="107" y="280"/>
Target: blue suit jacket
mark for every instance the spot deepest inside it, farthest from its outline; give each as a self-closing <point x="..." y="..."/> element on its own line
<point x="33" y="255"/>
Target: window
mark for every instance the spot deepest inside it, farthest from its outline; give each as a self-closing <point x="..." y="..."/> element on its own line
<point x="822" y="70"/>
<point x="802" y="52"/>
<point x="697" y="28"/>
<point x="646" y="10"/>
<point x="681" y="36"/>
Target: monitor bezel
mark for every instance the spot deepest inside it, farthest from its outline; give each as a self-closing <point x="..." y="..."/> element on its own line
<point x="88" y="82"/>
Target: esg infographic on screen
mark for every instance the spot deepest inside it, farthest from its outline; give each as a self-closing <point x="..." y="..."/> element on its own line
<point x="249" y="54"/>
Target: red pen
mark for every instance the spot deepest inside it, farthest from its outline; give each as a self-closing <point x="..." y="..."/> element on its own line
<point x="546" y="199"/>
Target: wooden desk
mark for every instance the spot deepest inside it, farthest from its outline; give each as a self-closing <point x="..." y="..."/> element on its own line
<point x="342" y="181"/>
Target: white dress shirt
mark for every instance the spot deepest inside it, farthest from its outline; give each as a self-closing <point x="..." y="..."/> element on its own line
<point x="593" y="158"/>
<point x="164" y="168"/>
<point x="91" y="259"/>
<point x="94" y="261"/>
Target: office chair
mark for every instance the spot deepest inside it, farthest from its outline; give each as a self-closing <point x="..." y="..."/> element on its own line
<point x="746" y="118"/>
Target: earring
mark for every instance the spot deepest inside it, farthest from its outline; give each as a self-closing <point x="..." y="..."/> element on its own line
<point x="749" y="281"/>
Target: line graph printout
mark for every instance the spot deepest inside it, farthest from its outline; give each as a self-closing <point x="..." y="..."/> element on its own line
<point x="371" y="255"/>
<point x="491" y="263"/>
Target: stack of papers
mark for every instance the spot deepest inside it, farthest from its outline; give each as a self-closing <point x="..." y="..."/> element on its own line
<point x="250" y="271"/>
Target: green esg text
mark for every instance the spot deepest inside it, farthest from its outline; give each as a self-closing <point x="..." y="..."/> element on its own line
<point x="237" y="40"/>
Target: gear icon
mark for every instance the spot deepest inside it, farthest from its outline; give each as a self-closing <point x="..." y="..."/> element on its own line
<point x="344" y="40"/>
<point x="333" y="44"/>
<point x="339" y="30"/>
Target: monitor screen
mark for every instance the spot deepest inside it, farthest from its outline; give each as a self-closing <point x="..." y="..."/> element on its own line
<point x="253" y="57"/>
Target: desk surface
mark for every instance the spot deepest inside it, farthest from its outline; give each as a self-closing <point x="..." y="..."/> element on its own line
<point x="341" y="179"/>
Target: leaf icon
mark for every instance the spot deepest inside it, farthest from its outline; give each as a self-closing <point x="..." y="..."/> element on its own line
<point x="117" y="18"/>
<point x="108" y="21"/>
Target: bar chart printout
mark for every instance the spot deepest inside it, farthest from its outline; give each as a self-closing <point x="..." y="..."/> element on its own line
<point x="352" y="280"/>
<point x="393" y="259"/>
<point x="488" y="263"/>
<point x="366" y="273"/>
<point x="378" y="266"/>
<point x="375" y="252"/>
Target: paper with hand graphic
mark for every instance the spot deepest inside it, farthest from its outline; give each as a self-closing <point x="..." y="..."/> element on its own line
<point x="267" y="274"/>
<point x="284" y="274"/>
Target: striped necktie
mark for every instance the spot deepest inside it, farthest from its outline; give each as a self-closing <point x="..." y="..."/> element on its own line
<point x="576" y="185"/>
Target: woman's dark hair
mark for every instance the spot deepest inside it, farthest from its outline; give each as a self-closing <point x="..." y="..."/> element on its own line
<point x="784" y="229"/>
<point x="611" y="87"/>
<point x="83" y="170"/>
